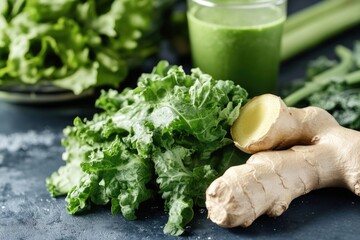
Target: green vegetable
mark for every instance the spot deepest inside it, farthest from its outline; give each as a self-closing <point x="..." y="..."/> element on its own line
<point x="303" y="29"/>
<point x="172" y="129"/>
<point x="343" y="102"/>
<point x="333" y="86"/>
<point x="317" y="23"/>
<point x="76" y="44"/>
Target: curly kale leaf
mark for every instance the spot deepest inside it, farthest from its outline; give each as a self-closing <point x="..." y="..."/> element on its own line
<point x="331" y="85"/>
<point x="172" y="129"/>
<point x="342" y="101"/>
<point x="76" y="44"/>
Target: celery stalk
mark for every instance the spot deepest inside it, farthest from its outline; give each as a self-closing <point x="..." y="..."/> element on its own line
<point x="326" y="21"/>
<point x="309" y="14"/>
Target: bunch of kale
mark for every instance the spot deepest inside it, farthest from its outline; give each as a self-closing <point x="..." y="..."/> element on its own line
<point x="332" y="85"/>
<point x="171" y="131"/>
<point x="76" y="44"/>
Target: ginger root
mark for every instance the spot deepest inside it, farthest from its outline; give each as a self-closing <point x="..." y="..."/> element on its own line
<point x="294" y="152"/>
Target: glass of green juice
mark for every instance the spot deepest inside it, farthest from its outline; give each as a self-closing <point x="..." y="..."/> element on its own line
<point x="238" y="40"/>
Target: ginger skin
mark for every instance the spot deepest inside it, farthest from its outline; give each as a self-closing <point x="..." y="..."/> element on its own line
<point x="298" y="151"/>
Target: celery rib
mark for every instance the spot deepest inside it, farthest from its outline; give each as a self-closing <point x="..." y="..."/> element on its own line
<point x="309" y="14"/>
<point x="310" y="33"/>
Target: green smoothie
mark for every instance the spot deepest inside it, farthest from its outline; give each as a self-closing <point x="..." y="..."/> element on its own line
<point x="242" y="45"/>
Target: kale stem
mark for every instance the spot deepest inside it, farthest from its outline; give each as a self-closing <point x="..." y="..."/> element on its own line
<point x="353" y="77"/>
<point x="308" y="89"/>
<point x="323" y="79"/>
<point x="346" y="63"/>
<point x="312" y="87"/>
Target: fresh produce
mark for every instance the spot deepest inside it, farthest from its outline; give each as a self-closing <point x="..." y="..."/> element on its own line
<point x="331" y="85"/>
<point x="318" y="22"/>
<point x="295" y="150"/>
<point x="171" y="131"/>
<point x="75" y="44"/>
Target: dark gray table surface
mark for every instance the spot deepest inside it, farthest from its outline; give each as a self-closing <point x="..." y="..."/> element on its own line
<point x="30" y="151"/>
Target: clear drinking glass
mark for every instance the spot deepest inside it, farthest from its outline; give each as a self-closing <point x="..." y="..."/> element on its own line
<point x="238" y="40"/>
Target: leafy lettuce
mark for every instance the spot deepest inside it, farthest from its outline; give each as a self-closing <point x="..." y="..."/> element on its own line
<point x="75" y="44"/>
<point x="170" y="131"/>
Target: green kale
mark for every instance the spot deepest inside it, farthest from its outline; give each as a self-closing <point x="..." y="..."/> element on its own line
<point x="342" y="101"/>
<point x="172" y="129"/>
<point x="331" y="85"/>
<point x="76" y="44"/>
